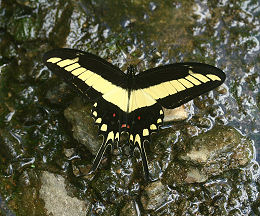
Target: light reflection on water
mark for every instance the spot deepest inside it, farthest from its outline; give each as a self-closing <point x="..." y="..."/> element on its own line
<point x="242" y="104"/>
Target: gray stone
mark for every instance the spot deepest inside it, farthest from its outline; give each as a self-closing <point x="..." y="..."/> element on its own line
<point x="129" y="209"/>
<point x="209" y="154"/>
<point x="57" y="201"/>
<point x="154" y="195"/>
<point x="69" y="152"/>
<point x="83" y="127"/>
<point x="218" y="150"/>
<point x="177" y="114"/>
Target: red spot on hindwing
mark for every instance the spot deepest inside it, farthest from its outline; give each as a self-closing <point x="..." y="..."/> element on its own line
<point x="139" y="117"/>
<point x="125" y="126"/>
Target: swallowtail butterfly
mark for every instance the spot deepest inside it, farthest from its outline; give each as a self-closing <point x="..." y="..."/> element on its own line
<point x="131" y="102"/>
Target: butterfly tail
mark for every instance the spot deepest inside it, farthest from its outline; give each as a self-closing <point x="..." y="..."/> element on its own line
<point x="99" y="156"/>
<point x="144" y="161"/>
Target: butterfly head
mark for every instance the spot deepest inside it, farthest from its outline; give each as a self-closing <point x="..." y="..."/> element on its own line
<point x="131" y="70"/>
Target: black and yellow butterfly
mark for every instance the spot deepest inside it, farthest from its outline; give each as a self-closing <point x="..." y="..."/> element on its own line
<point x="131" y="102"/>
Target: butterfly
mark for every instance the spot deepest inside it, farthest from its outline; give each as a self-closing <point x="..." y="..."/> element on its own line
<point x="131" y="102"/>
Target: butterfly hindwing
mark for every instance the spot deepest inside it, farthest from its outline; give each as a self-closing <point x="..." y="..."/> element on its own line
<point x="108" y="117"/>
<point x="142" y="123"/>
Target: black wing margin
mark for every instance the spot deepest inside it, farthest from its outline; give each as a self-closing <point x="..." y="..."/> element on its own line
<point x="175" y="84"/>
<point x="88" y="73"/>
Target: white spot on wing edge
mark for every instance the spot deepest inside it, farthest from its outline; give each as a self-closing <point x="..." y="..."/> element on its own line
<point x="94" y="113"/>
<point x="145" y="132"/>
<point x="138" y="140"/>
<point x="103" y="127"/>
<point x="110" y="136"/>
<point x="153" y="127"/>
<point x="117" y="136"/>
<point x="131" y="138"/>
<point x="98" y="121"/>
<point x="159" y="121"/>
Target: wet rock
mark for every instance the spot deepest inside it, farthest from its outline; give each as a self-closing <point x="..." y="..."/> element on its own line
<point x="128" y="209"/>
<point x="177" y="114"/>
<point x="82" y="170"/>
<point x="113" y="182"/>
<point x="57" y="201"/>
<point x="159" y="151"/>
<point x="195" y="175"/>
<point x="83" y="125"/>
<point x="226" y="194"/>
<point x="27" y="3"/>
<point x="4" y="208"/>
<point x="204" y="122"/>
<point x="210" y="154"/>
<point x="220" y="149"/>
<point x="222" y="89"/>
<point x="26" y="23"/>
<point x="154" y="195"/>
<point x="182" y="173"/>
<point x="69" y="152"/>
<point x="58" y="94"/>
<point x="7" y="47"/>
<point x="26" y="196"/>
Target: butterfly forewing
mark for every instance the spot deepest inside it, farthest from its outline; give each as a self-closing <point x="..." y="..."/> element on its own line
<point x="175" y="84"/>
<point x="88" y="73"/>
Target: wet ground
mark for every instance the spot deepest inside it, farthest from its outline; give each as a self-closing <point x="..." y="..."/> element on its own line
<point x="206" y="164"/>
